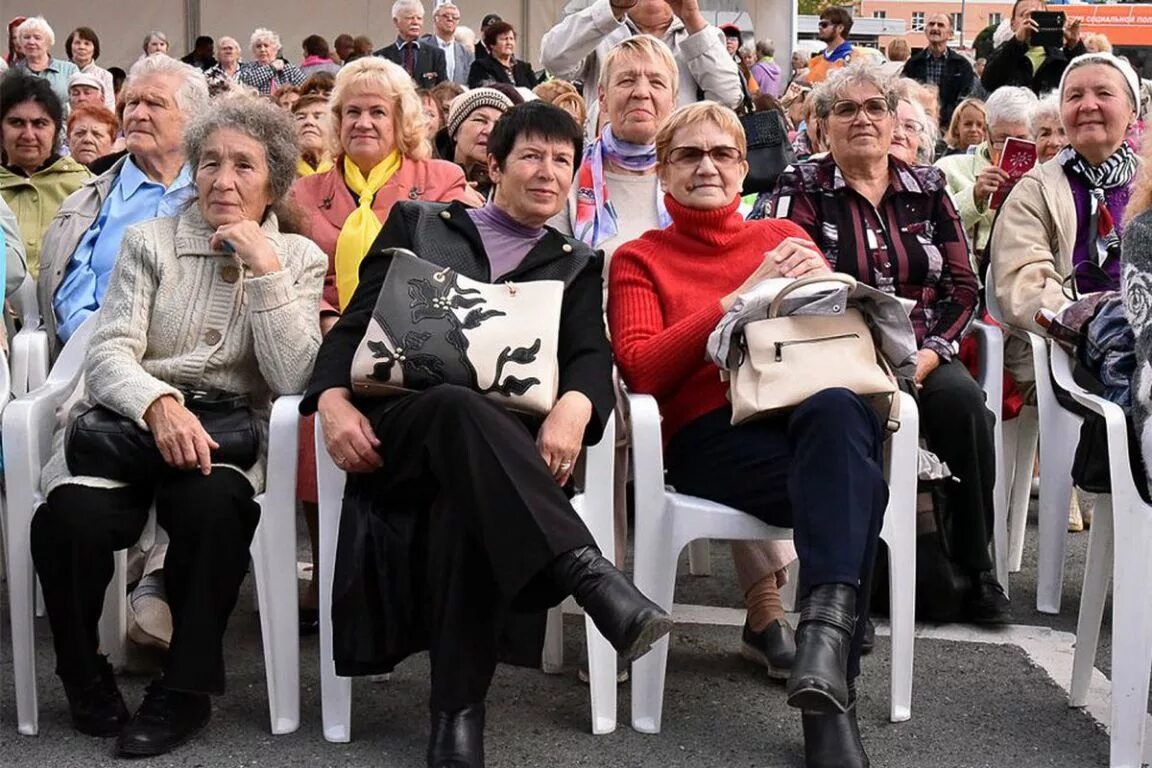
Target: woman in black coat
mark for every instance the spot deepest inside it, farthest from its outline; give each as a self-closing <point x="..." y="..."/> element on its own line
<point x="501" y="66"/>
<point x="456" y="531"/>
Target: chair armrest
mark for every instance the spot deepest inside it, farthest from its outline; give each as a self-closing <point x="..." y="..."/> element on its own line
<point x="24" y="302"/>
<point x="283" y="454"/>
<point x="647" y="447"/>
<point x="29" y="359"/>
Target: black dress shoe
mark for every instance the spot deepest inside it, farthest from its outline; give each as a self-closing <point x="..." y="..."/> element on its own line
<point x="309" y="621"/>
<point x="628" y="619"/>
<point x="96" y="707"/>
<point x="869" y="640"/>
<point x="833" y="741"/>
<point x="166" y="719"/>
<point x="774" y="647"/>
<point x="827" y="620"/>
<point x="457" y="739"/>
<point x="986" y="602"/>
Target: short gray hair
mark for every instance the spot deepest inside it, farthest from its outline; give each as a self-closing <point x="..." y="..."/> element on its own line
<point x="262" y="33"/>
<point x="37" y="24"/>
<point x="827" y="93"/>
<point x="259" y="118"/>
<point x="926" y="152"/>
<point x="191" y="96"/>
<point x="154" y="34"/>
<point x="1047" y="108"/>
<point x="445" y="7"/>
<point x="765" y="48"/>
<point x="1009" y="104"/>
<point x="400" y="5"/>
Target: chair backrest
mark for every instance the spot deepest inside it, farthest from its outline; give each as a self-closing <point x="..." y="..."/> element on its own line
<point x="70" y="364"/>
<point x="25" y="303"/>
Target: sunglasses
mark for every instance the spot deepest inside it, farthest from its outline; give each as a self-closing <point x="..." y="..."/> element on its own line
<point x="690" y="157"/>
<point x="875" y="109"/>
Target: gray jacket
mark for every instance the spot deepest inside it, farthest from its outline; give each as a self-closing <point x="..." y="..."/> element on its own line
<point x="73" y="219"/>
<point x="15" y="262"/>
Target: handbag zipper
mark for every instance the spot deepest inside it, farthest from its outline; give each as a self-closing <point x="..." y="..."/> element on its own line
<point x="781" y="344"/>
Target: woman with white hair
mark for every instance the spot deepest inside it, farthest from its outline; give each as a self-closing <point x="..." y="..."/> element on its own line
<point x="226" y="71"/>
<point x="915" y="133"/>
<point x="36" y="39"/>
<point x="266" y="71"/>
<point x="974" y="178"/>
<point x="1047" y="130"/>
<point x="155" y="42"/>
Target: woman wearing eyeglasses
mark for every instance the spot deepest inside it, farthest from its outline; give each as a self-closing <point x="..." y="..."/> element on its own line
<point x="816" y="469"/>
<point x="893" y="226"/>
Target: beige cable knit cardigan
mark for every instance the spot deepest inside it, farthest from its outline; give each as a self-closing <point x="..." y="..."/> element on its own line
<point x="177" y="315"/>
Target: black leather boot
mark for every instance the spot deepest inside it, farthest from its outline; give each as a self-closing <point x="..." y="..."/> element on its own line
<point x="457" y="739"/>
<point x="833" y="741"/>
<point x="823" y="639"/>
<point x="628" y="619"/>
<point x="166" y="719"/>
<point x="96" y="707"/>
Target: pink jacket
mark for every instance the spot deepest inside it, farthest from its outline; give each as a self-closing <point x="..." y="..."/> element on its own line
<point x="327" y="202"/>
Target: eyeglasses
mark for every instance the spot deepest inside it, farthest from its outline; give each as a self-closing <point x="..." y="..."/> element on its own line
<point x="912" y="126"/>
<point x="826" y="23"/>
<point x="690" y="157"/>
<point x="875" y="109"/>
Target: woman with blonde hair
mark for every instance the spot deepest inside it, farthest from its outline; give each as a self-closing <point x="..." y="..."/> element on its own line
<point x="381" y="155"/>
<point x="967" y="128"/>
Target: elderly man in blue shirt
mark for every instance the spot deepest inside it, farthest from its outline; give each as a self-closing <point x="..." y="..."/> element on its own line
<point x="83" y="242"/>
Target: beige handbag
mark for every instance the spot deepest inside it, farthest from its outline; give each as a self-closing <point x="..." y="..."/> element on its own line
<point x="786" y="360"/>
<point x="432" y="325"/>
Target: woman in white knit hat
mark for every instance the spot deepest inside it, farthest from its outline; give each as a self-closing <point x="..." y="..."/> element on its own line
<point x="464" y="139"/>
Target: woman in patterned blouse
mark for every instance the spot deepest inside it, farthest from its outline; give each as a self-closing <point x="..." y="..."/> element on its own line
<point x="893" y="226"/>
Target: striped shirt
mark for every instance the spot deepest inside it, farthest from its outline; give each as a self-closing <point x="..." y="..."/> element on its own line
<point x="912" y="245"/>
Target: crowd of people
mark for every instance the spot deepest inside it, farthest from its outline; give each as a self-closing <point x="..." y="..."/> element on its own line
<point x="226" y="225"/>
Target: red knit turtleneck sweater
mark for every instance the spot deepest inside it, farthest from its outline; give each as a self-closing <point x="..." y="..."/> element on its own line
<point x="664" y="292"/>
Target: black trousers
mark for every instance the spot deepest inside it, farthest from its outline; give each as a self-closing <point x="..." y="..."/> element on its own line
<point x="446" y="546"/>
<point x="210" y="523"/>
<point x="958" y="427"/>
<point x="817" y="469"/>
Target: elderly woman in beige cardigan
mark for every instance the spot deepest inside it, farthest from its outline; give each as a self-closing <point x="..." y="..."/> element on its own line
<point x="217" y="298"/>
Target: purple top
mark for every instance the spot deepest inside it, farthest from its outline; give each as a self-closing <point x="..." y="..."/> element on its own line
<point x="1087" y="280"/>
<point x="767" y="76"/>
<point x="506" y="241"/>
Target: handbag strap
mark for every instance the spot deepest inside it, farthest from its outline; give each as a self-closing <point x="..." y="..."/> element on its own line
<point x="834" y="277"/>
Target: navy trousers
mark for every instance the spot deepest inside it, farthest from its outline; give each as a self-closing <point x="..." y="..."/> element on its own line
<point x="816" y="469"/>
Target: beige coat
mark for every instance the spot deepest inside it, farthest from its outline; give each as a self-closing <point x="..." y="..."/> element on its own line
<point x="1031" y="245"/>
<point x="178" y="315"/>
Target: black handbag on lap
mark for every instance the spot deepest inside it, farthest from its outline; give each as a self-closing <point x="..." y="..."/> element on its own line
<point x="103" y="443"/>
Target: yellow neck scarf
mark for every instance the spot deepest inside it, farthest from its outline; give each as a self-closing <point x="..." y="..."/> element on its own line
<point x="362" y="226"/>
<point x="303" y="169"/>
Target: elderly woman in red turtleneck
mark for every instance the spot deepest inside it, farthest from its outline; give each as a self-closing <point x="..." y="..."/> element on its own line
<point x="816" y="469"/>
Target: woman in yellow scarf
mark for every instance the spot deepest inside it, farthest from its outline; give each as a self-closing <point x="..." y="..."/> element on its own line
<point x="313" y="134"/>
<point x="380" y="154"/>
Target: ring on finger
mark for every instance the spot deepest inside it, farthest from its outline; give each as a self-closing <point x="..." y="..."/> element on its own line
<point x="340" y="461"/>
<point x="565" y="465"/>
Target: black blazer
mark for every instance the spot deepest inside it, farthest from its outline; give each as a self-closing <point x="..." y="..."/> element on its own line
<point x="954" y="85"/>
<point x="489" y="70"/>
<point x="585" y="357"/>
<point x="431" y="66"/>
<point x="1009" y="64"/>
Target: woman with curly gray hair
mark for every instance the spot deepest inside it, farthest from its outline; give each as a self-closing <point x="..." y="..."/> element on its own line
<point x="209" y="312"/>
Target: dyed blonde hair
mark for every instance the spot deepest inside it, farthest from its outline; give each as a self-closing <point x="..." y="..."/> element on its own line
<point x="690" y="114"/>
<point x="380" y="76"/>
<point x="642" y="47"/>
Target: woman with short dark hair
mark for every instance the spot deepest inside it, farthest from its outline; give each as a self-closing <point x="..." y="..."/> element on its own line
<point x="456" y="526"/>
<point x="83" y="49"/>
<point x="501" y="66"/>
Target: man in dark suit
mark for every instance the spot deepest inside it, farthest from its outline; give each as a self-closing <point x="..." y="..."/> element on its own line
<point x="941" y="66"/>
<point x="459" y="59"/>
<point x="424" y="63"/>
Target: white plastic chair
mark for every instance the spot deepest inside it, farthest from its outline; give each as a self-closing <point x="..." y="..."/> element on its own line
<point x="595" y="507"/>
<point x="1059" y="434"/>
<point x="30" y="344"/>
<point x="666" y="522"/>
<point x="1118" y="545"/>
<point x="28" y="427"/>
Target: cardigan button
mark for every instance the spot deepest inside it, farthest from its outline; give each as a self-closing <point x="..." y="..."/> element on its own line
<point x="230" y="274"/>
<point x="445" y="215"/>
<point x="212" y="337"/>
<point x="566" y="248"/>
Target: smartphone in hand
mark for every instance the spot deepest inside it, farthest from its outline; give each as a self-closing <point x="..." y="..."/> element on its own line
<point x="1051" y="29"/>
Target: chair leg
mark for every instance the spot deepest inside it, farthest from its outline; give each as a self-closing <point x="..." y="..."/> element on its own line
<point x="274" y="567"/>
<point x="1131" y="631"/>
<point x="1020" y="497"/>
<point x="21" y="599"/>
<point x="700" y="557"/>
<point x="1059" y="432"/>
<point x="655" y="576"/>
<point x="335" y="692"/>
<point x="1097" y="576"/>
<point x="114" y="619"/>
<point x="552" y="661"/>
